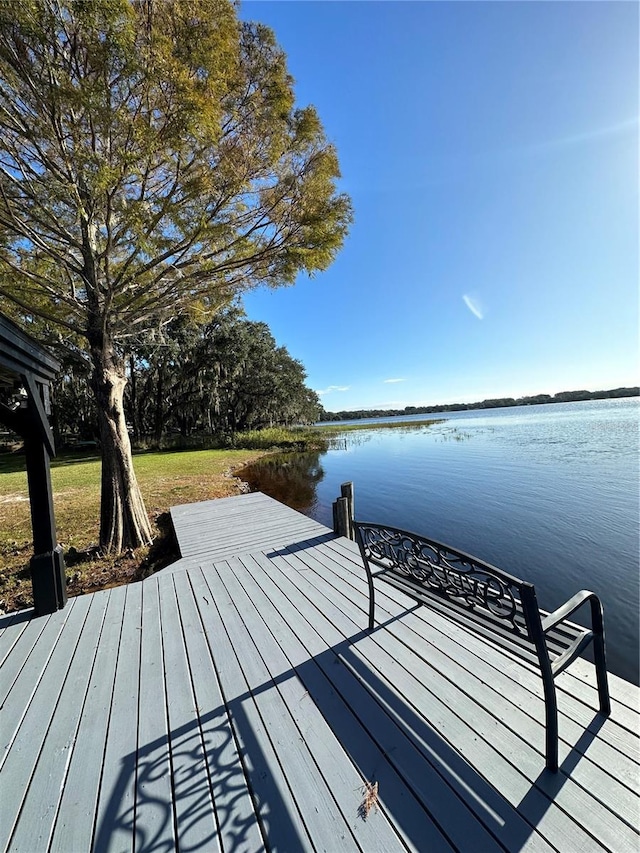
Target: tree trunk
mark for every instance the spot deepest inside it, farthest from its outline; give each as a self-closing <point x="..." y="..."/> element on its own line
<point x="158" y="428"/>
<point x="135" y="414"/>
<point x="123" y="518"/>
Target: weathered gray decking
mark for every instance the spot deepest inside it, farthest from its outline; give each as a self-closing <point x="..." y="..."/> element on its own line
<point x="215" y="530"/>
<point x="237" y="705"/>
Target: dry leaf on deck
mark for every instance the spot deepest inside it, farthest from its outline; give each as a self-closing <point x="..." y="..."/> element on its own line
<point x="369" y="800"/>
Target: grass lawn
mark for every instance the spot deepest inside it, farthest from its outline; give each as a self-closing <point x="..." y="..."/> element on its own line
<point x="165" y="478"/>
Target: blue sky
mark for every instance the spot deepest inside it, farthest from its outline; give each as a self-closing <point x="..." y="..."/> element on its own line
<point x="491" y="153"/>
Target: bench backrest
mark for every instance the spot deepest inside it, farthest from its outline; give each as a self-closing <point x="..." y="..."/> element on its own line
<point x="481" y="591"/>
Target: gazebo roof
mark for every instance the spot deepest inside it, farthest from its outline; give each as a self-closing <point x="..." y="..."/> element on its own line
<point x="20" y="353"/>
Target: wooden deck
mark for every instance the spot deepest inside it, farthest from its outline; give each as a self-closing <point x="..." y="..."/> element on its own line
<point x="225" y="528"/>
<point x="234" y="703"/>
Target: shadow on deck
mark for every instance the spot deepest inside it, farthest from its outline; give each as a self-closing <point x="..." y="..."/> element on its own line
<point x="238" y="705"/>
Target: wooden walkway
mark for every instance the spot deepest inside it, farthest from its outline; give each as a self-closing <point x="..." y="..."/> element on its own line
<point x="236" y="704"/>
<point x="225" y="528"/>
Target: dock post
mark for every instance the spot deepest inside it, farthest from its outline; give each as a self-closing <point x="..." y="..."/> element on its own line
<point x="346" y="490"/>
<point x="343" y="517"/>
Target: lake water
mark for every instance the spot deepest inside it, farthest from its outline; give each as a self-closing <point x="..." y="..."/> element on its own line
<point x="549" y="493"/>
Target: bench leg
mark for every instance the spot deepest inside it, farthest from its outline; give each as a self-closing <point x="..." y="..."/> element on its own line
<point x="601" y="675"/>
<point x="597" y="626"/>
<point x="372" y="595"/>
<point x="551" y="721"/>
<point x="372" y="604"/>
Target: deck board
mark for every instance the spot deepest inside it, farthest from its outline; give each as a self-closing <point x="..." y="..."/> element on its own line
<point x="225" y="528"/>
<point x="115" y="797"/>
<point x="340" y="781"/>
<point x="474" y="700"/>
<point x="18" y="653"/>
<point x="235" y="814"/>
<point x="441" y="776"/>
<point x="233" y="702"/>
<point x="154" y="818"/>
<point x="275" y="803"/>
<point x="13" y="627"/>
<point x="325" y="822"/>
<point x="27" y="715"/>
<point x="74" y="827"/>
<point x="48" y="779"/>
<point x="369" y="759"/>
<point x="188" y="765"/>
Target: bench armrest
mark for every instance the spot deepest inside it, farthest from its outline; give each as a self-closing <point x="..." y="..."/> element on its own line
<point x="569" y="607"/>
<point x="596" y="634"/>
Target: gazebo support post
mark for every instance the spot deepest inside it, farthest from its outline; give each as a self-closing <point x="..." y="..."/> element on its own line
<point x="47" y="564"/>
<point x="25" y="364"/>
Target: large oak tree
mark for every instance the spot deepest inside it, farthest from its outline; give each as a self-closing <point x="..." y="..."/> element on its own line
<point x="152" y="162"/>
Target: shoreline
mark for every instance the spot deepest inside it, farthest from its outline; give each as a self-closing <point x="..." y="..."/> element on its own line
<point x="490" y="404"/>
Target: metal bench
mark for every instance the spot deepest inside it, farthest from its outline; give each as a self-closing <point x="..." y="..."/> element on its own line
<point x="497" y="606"/>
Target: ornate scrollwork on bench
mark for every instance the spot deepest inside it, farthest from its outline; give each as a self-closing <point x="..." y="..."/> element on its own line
<point x="494" y="603"/>
<point x="447" y="572"/>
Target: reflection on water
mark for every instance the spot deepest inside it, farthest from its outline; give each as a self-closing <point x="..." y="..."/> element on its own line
<point x="290" y="478"/>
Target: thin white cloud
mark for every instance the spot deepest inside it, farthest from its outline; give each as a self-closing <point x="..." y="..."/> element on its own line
<point x="585" y="137"/>
<point x="394" y="380"/>
<point x="333" y="388"/>
<point x="594" y="134"/>
<point x="473" y="304"/>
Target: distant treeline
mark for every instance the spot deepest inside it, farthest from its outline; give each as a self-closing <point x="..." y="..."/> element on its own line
<point x="502" y="402"/>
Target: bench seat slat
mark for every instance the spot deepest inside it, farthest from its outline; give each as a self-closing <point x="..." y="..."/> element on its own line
<point x="558" y="639"/>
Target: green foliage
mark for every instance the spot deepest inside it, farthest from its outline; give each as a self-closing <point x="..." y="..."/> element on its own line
<point x="225" y="377"/>
<point x="152" y="161"/>
<point x="152" y="165"/>
<point x="222" y="378"/>
<point x="300" y="438"/>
